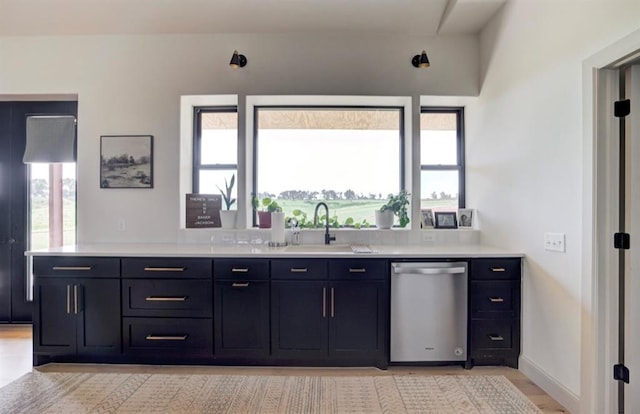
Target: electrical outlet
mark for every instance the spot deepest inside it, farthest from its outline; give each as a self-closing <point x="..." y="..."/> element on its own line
<point x="554" y="242"/>
<point x="122" y="224"/>
<point x="428" y="236"/>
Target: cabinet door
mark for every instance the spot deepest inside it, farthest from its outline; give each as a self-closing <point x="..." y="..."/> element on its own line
<point x="299" y="319"/>
<point x="241" y="319"/>
<point x="98" y="316"/>
<point x="356" y="320"/>
<point x="54" y="327"/>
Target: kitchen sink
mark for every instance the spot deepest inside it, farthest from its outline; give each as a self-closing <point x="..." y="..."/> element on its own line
<point x="327" y="248"/>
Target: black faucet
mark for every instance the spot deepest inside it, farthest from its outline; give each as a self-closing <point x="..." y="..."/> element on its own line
<point x="327" y="236"/>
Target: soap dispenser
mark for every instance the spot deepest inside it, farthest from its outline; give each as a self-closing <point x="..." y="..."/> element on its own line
<point x="295" y="232"/>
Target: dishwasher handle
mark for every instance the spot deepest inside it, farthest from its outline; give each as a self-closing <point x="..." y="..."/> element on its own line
<point x="398" y="269"/>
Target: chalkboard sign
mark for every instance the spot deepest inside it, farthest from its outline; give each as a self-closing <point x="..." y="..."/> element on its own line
<point x="203" y="210"/>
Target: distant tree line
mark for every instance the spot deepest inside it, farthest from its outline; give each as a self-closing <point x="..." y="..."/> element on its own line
<point x="40" y="187"/>
<point x="123" y="159"/>
<point x="332" y="195"/>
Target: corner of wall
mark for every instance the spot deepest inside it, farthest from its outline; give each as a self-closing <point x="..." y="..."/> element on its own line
<point x="550" y="385"/>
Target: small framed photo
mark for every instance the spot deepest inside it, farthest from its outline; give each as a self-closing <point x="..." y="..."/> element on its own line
<point x="466" y="218"/>
<point x="426" y="218"/>
<point x="126" y="161"/>
<point x="446" y="220"/>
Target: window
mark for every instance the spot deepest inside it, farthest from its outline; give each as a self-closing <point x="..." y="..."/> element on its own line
<point x="442" y="158"/>
<point x="349" y="157"/>
<point x="52" y="205"/>
<point x="215" y="149"/>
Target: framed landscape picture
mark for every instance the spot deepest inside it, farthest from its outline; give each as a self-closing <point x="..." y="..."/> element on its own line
<point x="126" y="161"/>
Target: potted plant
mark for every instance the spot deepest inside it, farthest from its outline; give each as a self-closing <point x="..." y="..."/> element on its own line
<point x="396" y="205"/>
<point x="264" y="208"/>
<point x="228" y="216"/>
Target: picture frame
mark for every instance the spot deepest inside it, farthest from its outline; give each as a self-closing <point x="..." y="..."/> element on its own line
<point x="445" y="220"/>
<point x="426" y="218"/>
<point x="126" y="161"/>
<point x="466" y="218"/>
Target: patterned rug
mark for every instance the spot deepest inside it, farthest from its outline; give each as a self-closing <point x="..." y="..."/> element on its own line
<point x="55" y="392"/>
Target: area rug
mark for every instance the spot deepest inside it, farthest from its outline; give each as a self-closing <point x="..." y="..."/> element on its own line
<point x="56" y="392"/>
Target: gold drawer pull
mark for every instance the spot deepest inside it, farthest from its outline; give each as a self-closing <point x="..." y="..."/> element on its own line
<point x="72" y="267"/>
<point x="357" y="270"/>
<point x="298" y="270"/>
<point x="166" y="298"/>
<point x="240" y="270"/>
<point x="167" y="337"/>
<point x="496" y="338"/>
<point x="164" y="269"/>
<point x="496" y="300"/>
<point x="237" y="284"/>
<point x="498" y="269"/>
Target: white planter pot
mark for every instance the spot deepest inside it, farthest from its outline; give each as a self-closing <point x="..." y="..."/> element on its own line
<point x="228" y="219"/>
<point x="384" y="219"/>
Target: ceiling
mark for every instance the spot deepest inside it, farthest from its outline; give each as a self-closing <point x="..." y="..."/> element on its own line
<point x="99" y="17"/>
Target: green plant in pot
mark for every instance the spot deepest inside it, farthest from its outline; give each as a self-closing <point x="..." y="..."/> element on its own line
<point x="396" y="206"/>
<point x="264" y="208"/>
<point x="228" y="216"/>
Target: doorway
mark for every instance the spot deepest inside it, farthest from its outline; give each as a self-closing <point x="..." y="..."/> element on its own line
<point x="15" y="196"/>
<point x="613" y="75"/>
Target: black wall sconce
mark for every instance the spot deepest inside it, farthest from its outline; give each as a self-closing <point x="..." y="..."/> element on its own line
<point x="421" y="61"/>
<point x="238" y="61"/>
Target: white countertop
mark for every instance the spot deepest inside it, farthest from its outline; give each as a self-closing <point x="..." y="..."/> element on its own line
<point x="248" y="251"/>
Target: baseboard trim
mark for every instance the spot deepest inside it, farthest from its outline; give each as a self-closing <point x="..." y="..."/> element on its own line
<point x="550" y="385"/>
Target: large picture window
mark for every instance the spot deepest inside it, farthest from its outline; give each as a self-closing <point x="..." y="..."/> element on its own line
<point x="215" y="157"/>
<point x="348" y="157"/>
<point x="442" y="159"/>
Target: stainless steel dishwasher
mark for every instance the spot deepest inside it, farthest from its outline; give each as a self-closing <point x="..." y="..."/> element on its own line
<point x="428" y="311"/>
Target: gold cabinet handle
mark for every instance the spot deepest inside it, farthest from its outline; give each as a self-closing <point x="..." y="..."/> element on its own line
<point x="238" y="284"/>
<point x="298" y="270"/>
<point x="496" y="300"/>
<point x="333" y="310"/>
<point x="240" y="270"/>
<point x="151" y="337"/>
<point x="498" y="269"/>
<point x="75" y="268"/>
<point x="324" y="302"/>
<point x="75" y="299"/>
<point x="357" y="270"/>
<point x="164" y="269"/>
<point x="166" y="298"/>
<point x="496" y="338"/>
<point x="68" y="299"/>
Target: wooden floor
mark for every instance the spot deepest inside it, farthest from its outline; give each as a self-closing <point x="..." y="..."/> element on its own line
<point x="15" y="361"/>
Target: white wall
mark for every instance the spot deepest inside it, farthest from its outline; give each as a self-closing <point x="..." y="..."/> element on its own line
<point x="133" y="84"/>
<point x="525" y="166"/>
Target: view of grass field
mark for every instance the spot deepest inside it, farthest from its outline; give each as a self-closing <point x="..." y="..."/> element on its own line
<point x="344" y="209"/>
<point x="40" y="222"/>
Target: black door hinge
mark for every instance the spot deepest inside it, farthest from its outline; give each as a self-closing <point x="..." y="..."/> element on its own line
<point x="621" y="373"/>
<point x="622" y="241"/>
<point x="622" y="108"/>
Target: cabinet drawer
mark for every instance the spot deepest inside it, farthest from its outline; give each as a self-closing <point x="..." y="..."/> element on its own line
<point x="301" y="269"/>
<point x="161" y="267"/>
<point x="76" y="266"/>
<point x="358" y="269"/>
<point x="494" y="298"/>
<point x="495" y="269"/>
<point x="492" y="334"/>
<point x="241" y="269"/>
<point x="161" y="297"/>
<point x="189" y="337"/>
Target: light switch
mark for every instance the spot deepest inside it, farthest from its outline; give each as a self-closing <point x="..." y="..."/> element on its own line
<point x="554" y="242"/>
